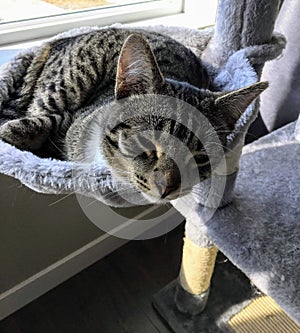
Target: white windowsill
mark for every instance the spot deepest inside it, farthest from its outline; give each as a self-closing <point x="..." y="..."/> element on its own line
<point x="183" y="19"/>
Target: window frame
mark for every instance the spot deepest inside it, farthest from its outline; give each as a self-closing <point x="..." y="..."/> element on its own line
<point x="39" y="28"/>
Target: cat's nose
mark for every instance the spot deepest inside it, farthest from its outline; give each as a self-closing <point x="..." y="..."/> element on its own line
<point x="164" y="184"/>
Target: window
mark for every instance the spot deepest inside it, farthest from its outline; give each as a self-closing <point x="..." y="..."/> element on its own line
<point x="28" y="20"/>
<point x="15" y="10"/>
<point x="22" y="20"/>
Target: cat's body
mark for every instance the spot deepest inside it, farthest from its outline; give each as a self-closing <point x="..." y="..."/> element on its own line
<point x="99" y="70"/>
<point x="72" y="72"/>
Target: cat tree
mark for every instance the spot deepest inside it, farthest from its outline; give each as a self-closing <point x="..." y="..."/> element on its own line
<point x="242" y="25"/>
<point x="234" y="53"/>
<point x="182" y="303"/>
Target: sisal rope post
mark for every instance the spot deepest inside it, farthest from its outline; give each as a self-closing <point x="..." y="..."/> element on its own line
<point x="197" y="267"/>
<point x="193" y="284"/>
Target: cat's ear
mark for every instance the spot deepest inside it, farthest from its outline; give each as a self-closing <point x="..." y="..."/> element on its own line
<point x="234" y="103"/>
<point x="137" y="72"/>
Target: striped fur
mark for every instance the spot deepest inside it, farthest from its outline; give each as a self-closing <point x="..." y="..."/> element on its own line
<point x="71" y="73"/>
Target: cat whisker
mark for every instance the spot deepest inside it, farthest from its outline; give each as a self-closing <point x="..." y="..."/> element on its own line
<point x="229" y="132"/>
<point x="120" y="192"/>
<point x="198" y="192"/>
<point x="56" y="146"/>
<point x="92" y="202"/>
<point x="237" y="132"/>
<point x="125" y="172"/>
<point x="128" y="186"/>
<point x="224" y="147"/>
<point x="110" y="195"/>
<point x="61" y="199"/>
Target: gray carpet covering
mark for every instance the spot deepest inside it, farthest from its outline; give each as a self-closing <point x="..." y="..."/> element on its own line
<point x="260" y="230"/>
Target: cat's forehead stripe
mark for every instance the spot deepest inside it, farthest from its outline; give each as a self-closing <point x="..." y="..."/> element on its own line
<point x="112" y="142"/>
<point x="129" y="128"/>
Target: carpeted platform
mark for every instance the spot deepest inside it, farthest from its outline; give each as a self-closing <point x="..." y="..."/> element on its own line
<point x="260" y="230"/>
<point x="230" y="292"/>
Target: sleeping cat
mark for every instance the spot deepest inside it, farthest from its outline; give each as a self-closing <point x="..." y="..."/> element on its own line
<point x="82" y="96"/>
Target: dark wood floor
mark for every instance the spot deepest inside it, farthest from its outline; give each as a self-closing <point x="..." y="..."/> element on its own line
<point x="112" y="296"/>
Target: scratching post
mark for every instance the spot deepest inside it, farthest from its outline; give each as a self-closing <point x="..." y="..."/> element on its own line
<point x="197" y="267"/>
<point x="196" y="271"/>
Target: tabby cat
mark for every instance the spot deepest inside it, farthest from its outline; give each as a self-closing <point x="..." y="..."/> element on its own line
<point x="82" y="98"/>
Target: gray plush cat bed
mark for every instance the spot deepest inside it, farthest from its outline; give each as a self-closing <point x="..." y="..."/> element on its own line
<point x="48" y="175"/>
<point x="266" y="246"/>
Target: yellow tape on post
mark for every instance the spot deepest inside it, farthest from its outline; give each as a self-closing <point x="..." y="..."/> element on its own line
<point x="197" y="267"/>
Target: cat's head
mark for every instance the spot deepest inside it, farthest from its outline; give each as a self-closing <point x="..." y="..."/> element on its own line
<point x="152" y="140"/>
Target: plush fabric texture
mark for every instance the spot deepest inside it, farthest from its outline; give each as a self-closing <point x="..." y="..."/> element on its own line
<point x="260" y="230"/>
<point x="241" y="24"/>
<point x="262" y="234"/>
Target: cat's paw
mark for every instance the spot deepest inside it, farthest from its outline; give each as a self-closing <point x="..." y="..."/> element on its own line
<point x="24" y="133"/>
